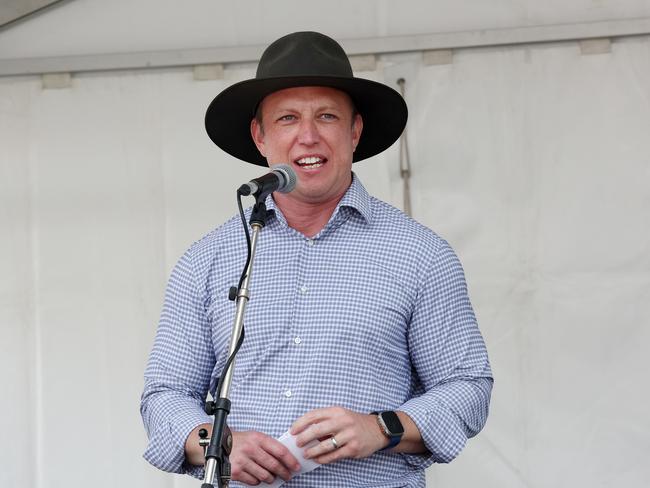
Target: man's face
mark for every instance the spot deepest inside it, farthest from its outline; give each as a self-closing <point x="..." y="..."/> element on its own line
<point x="312" y="129"/>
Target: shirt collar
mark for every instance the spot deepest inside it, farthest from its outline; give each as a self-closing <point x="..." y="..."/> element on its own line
<point x="355" y="198"/>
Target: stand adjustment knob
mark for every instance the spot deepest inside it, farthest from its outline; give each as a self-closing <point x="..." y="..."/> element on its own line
<point x="204" y="442"/>
<point x="210" y="407"/>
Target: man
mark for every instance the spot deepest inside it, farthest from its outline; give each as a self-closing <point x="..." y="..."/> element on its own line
<point x="360" y="337"/>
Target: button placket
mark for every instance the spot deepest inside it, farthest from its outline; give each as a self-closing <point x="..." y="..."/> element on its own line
<point x="302" y="285"/>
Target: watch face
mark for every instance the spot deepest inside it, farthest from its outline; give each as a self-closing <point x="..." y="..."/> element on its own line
<point x="392" y="423"/>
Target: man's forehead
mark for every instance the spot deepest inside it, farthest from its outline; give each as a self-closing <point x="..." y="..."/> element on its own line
<point x="322" y="94"/>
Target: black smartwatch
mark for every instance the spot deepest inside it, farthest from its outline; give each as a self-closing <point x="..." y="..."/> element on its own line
<point x="391" y="427"/>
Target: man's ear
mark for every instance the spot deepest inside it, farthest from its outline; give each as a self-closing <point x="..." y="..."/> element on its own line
<point x="257" y="133"/>
<point x="357" y="128"/>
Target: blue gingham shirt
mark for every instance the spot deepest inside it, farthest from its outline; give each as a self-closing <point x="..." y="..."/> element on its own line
<point x="370" y="314"/>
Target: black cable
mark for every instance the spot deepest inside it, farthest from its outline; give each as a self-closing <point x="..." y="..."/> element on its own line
<point x="240" y="341"/>
<point x="248" y="239"/>
<point x="229" y="362"/>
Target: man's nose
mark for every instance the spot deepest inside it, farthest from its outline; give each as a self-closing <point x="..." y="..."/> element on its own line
<point x="308" y="132"/>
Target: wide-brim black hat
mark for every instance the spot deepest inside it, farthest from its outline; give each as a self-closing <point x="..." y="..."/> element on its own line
<point x="304" y="59"/>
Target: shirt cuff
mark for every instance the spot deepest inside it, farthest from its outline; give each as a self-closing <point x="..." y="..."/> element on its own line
<point x="439" y="429"/>
<point x="166" y="448"/>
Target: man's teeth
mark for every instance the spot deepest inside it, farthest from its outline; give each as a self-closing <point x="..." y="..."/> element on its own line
<point x="312" y="162"/>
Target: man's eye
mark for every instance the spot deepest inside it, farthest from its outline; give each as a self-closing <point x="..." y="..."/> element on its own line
<point x="286" y="118"/>
<point x="328" y="116"/>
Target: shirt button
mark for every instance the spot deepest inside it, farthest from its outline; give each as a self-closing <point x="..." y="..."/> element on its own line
<point x="297" y="340"/>
<point x="288" y="393"/>
<point x="303" y="289"/>
<point x="310" y="242"/>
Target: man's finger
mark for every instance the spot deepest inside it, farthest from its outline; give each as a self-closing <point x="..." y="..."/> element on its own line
<point x="279" y="452"/>
<point x="251" y="473"/>
<point x="330" y="457"/>
<point x="245" y="478"/>
<point x="273" y="465"/>
<point x="320" y="430"/>
<point x="259" y="472"/>
<point x="328" y="446"/>
<point x="311" y="417"/>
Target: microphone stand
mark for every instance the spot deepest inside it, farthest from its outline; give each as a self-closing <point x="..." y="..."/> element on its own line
<point x="218" y="448"/>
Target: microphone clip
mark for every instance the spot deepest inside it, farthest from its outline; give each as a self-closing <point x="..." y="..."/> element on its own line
<point x="259" y="213"/>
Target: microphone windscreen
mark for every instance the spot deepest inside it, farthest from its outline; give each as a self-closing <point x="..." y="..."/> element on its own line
<point x="289" y="175"/>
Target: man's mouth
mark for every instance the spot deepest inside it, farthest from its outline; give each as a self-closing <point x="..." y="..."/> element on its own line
<point x="311" y="162"/>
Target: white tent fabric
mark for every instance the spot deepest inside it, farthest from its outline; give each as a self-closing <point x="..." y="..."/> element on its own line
<point x="96" y="26"/>
<point x="533" y="161"/>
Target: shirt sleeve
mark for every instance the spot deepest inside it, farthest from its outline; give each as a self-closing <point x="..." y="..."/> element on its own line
<point x="453" y="377"/>
<point x="178" y="373"/>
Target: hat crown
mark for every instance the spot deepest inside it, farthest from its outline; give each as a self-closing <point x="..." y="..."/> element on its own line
<point x="304" y="54"/>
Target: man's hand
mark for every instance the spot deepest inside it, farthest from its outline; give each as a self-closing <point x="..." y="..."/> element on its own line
<point x="356" y="435"/>
<point x="255" y="457"/>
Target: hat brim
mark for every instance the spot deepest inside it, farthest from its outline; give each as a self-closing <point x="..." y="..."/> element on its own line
<point x="228" y="118"/>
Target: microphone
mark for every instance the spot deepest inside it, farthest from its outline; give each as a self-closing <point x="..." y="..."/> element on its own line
<point x="282" y="178"/>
